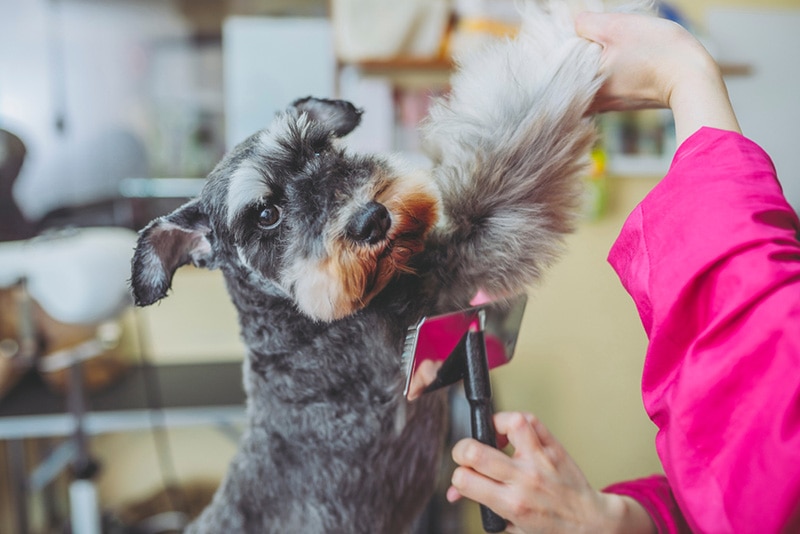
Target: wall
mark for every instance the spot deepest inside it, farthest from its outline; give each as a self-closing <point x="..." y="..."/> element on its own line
<point x="762" y="38"/>
<point x="698" y="9"/>
<point x="77" y="96"/>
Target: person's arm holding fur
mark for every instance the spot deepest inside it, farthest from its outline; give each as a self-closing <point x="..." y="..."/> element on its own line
<point x="655" y="63"/>
<point x="711" y="259"/>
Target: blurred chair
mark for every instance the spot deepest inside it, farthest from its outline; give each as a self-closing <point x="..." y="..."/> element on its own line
<point x="62" y="294"/>
<point x="13" y="224"/>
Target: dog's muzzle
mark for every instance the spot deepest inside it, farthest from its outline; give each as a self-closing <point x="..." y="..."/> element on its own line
<point x="370" y="225"/>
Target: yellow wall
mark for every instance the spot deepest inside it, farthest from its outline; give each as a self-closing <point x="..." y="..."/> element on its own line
<point x="696" y="10"/>
<point x="196" y="322"/>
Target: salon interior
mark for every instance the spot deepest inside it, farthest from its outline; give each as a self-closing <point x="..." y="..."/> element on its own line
<point x="113" y="112"/>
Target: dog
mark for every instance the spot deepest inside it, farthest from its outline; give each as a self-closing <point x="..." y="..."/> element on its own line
<point x="329" y="255"/>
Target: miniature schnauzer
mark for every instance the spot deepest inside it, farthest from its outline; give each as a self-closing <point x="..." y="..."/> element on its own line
<point x="329" y="255"/>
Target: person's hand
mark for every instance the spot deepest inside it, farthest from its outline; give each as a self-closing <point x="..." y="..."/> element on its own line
<point x="422" y="377"/>
<point x="650" y="62"/>
<point x="538" y="488"/>
<point x="644" y="58"/>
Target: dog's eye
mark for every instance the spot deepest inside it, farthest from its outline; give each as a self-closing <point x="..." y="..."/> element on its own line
<point x="269" y="216"/>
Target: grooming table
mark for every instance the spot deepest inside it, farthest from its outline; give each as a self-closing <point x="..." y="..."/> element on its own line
<point x="186" y="395"/>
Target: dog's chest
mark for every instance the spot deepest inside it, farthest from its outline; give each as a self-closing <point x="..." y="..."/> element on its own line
<point x="294" y="363"/>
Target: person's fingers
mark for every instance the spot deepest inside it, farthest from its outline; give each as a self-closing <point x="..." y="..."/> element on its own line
<point x="591" y="26"/>
<point x="546" y="437"/>
<point x="452" y="495"/>
<point x="609" y="28"/>
<point x="474" y="486"/>
<point x="520" y="430"/>
<point x="531" y="439"/>
<point x="423" y="376"/>
<point x="502" y="441"/>
<point x="486" y="460"/>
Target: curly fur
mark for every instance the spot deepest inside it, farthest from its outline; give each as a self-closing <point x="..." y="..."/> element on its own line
<point x="329" y="255"/>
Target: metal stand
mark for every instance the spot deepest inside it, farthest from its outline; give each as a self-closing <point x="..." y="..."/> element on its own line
<point x="83" y="501"/>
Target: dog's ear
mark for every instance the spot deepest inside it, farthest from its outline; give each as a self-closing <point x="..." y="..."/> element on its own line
<point x="339" y="115"/>
<point x="164" y="245"/>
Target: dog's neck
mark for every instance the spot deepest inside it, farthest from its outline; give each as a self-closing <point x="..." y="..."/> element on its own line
<point x="265" y="309"/>
<point x="262" y="305"/>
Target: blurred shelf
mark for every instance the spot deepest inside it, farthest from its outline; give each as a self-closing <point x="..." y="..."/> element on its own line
<point x="404" y="71"/>
<point x="736" y="69"/>
<point x="404" y="64"/>
<point x="161" y="187"/>
<point x="639" y="166"/>
<point x="409" y="65"/>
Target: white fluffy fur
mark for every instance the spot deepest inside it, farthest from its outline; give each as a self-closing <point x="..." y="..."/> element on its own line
<point x="247" y="186"/>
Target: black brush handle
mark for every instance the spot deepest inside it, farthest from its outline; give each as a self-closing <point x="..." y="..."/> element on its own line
<point x="478" y="390"/>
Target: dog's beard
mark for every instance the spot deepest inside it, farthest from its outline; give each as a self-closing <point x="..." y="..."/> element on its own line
<point x="351" y="274"/>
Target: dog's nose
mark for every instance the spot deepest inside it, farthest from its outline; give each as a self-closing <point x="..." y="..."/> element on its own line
<point x="370" y="224"/>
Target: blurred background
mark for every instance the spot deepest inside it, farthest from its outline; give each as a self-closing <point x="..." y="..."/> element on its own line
<point x="111" y="114"/>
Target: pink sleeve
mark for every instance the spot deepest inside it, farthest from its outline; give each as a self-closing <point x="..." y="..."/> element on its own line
<point x="712" y="260"/>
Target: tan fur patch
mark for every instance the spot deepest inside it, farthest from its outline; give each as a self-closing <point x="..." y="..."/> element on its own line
<point x="365" y="271"/>
<point x="351" y="274"/>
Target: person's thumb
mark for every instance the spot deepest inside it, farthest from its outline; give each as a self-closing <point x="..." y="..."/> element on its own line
<point x="591" y="26"/>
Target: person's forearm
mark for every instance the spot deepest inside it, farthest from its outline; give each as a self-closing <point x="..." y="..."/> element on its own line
<point x="700" y="99"/>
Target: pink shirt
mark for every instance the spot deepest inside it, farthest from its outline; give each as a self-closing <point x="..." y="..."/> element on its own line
<point x="712" y="260"/>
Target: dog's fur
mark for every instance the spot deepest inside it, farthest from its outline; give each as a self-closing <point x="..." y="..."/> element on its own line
<point x="329" y="256"/>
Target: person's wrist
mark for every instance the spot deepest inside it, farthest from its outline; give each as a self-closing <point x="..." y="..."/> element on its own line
<point x="697" y="95"/>
<point x="698" y="74"/>
<point x="623" y="514"/>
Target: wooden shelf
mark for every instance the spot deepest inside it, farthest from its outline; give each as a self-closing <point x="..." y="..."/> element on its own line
<point x="407" y="72"/>
<point x="736" y="69"/>
<point x="405" y="65"/>
<point x="415" y="64"/>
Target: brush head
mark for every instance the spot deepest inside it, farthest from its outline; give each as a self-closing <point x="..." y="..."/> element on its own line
<point x="433" y="339"/>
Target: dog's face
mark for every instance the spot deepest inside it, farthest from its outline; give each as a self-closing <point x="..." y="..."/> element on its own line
<point x="302" y="215"/>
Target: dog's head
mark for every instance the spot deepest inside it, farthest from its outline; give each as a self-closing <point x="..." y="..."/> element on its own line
<point x="302" y="215"/>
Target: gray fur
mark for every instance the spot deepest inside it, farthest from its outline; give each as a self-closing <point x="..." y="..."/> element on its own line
<point x="325" y="287"/>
